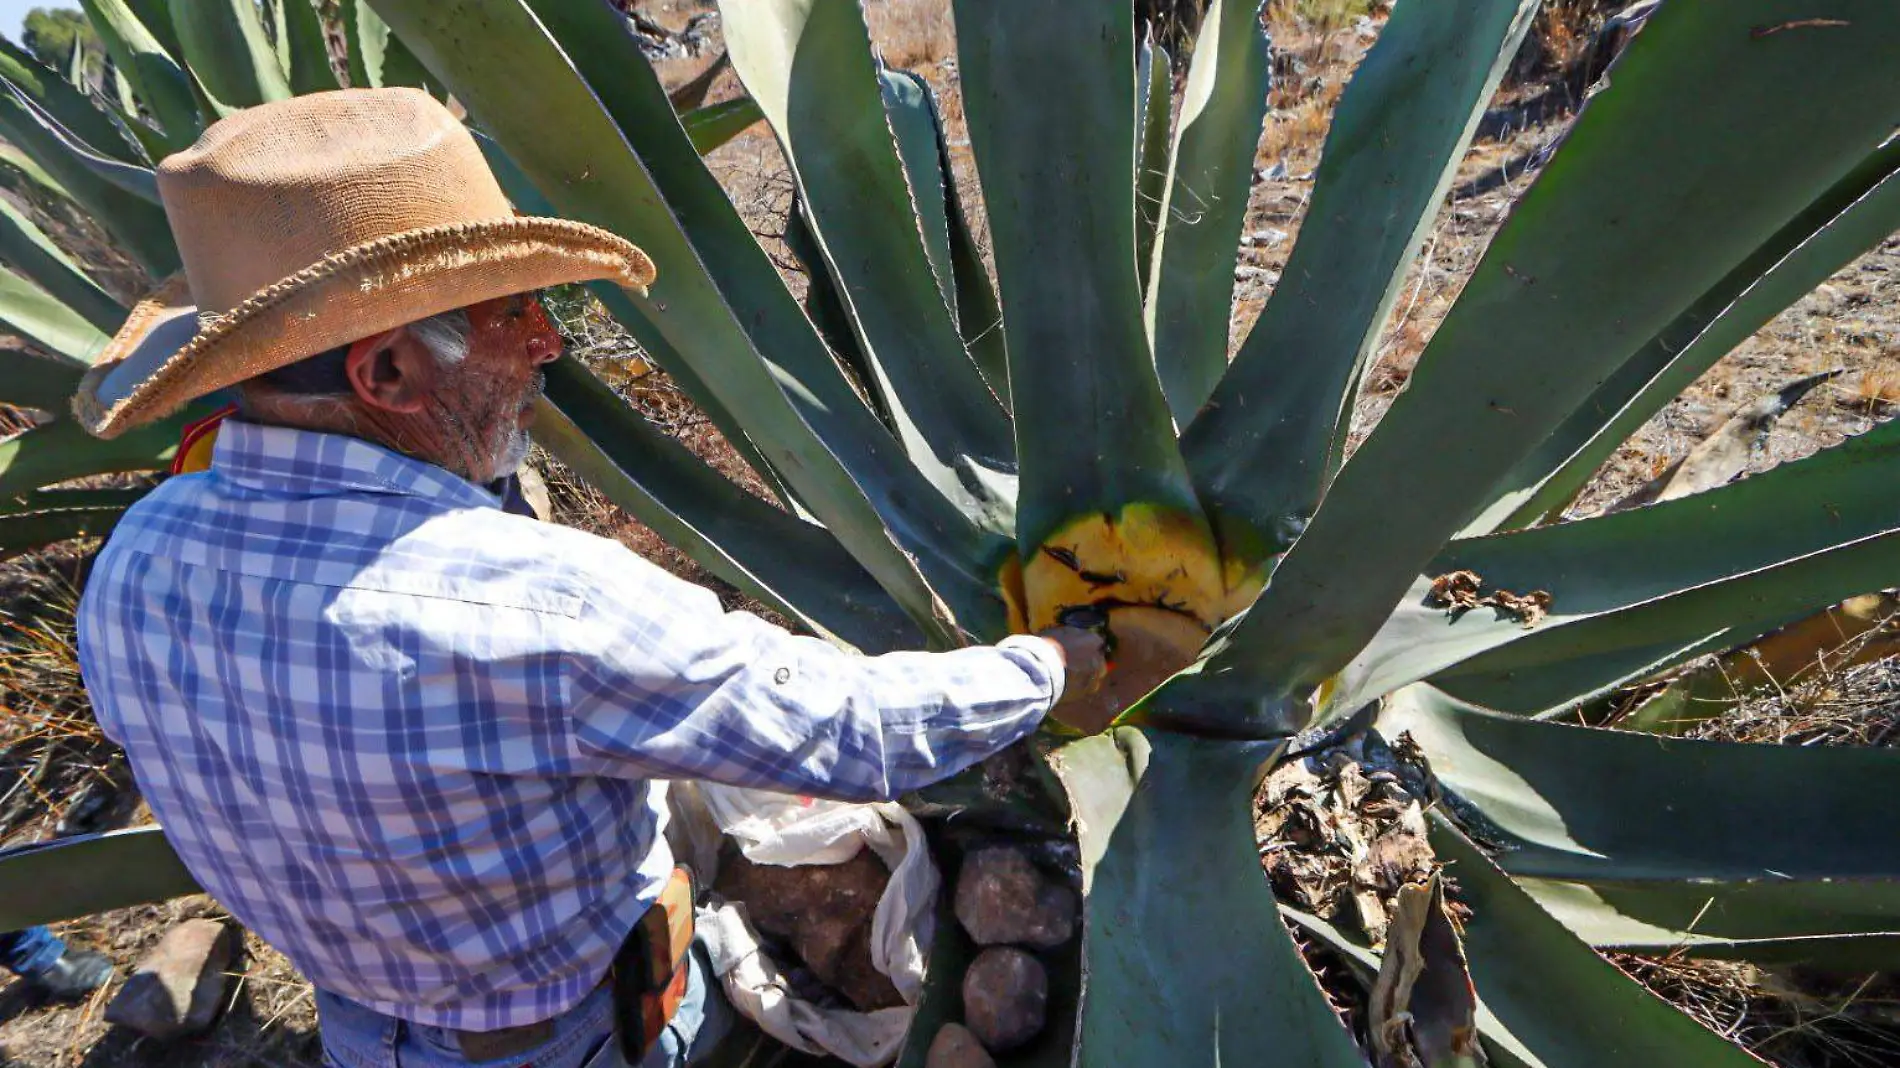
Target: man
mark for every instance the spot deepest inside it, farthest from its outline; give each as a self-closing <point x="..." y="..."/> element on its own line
<point x="410" y="739"/>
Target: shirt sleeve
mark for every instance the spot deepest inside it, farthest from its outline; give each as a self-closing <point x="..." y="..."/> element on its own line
<point x="672" y="686"/>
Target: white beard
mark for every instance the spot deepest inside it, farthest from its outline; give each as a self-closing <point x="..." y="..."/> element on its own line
<point x="512" y="454"/>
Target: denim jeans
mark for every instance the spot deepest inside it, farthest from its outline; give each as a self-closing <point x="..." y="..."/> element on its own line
<point x="31" y="951"/>
<point x="358" y="1037"/>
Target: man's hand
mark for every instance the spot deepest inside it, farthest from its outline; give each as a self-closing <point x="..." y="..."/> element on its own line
<point x="1085" y="665"/>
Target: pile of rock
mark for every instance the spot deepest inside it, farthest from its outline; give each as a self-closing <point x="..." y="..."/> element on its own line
<point x="1013" y="911"/>
<point x="824" y="915"/>
<point x="179" y="988"/>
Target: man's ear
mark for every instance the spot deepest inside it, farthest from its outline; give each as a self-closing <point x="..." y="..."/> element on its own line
<point x="392" y="372"/>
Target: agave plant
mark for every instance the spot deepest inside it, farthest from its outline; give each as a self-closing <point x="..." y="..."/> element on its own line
<point x="175" y="69"/>
<point x="956" y="459"/>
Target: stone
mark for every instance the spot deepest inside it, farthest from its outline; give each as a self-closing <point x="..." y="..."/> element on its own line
<point x="956" y="1047"/>
<point x="1003" y="899"/>
<point x="824" y="913"/>
<point x="1005" y="998"/>
<point x="179" y="988"/>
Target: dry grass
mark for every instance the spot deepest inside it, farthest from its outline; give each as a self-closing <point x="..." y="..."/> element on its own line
<point x="1858" y="706"/>
<point x="1794" y="1019"/>
<point x="269" y="1018"/>
<point x="1316" y="46"/>
<point x="1876" y="391"/>
<point x="56" y="766"/>
<point x="1797" y="1018"/>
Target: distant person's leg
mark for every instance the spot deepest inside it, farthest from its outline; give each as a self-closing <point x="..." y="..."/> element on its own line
<point x="45" y="961"/>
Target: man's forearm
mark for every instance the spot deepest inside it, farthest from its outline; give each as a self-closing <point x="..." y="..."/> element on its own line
<point x="985" y="709"/>
<point x="741" y="702"/>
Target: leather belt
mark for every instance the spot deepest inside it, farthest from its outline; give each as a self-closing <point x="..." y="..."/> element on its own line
<point x="507" y="1042"/>
<point x="649" y="977"/>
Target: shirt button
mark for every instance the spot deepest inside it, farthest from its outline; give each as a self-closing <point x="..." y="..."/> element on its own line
<point x="782" y="676"/>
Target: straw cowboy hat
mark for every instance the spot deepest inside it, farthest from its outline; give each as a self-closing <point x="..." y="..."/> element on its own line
<point x="317" y="221"/>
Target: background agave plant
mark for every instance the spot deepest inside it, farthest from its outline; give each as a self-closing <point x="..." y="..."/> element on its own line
<point x="954" y="459"/>
<point x="75" y="153"/>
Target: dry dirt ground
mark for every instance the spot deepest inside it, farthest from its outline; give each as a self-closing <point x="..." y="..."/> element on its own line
<point x="48" y="758"/>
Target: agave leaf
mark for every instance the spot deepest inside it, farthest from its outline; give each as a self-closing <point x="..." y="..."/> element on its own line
<point x="825" y="304"/>
<point x="715" y="124"/>
<point x="26" y="179"/>
<point x="1720" y="849"/>
<point x="378" y="59"/>
<point x="367" y="37"/>
<point x="1799" y="585"/>
<point x="529" y="200"/>
<point x="89" y="874"/>
<point x="26" y="249"/>
<point x="793" y="565"/>
<point x="1551" y="1001"/>
<point x="1855" y="632"/>
<point x="69" y="106"/>
<point x="126" y="100"/>
<point x="132" y="178"/>
<point x="30" y="311"/>
<point x="43" y="518"/>
<point x="911" y="110"/>
<point x="950" y="954"/>
<point x="1666" y="576"/>
<point x="153" y="141"/>
<point x="1599" y="255"/>
<point x="1680" y="918"/>
<point x="1191" y="293"/>
<point x="277" y="25"/>
<point x="1187" y="962"/>
<point x="76" y="66"/>
<point x="307" y="56"/>
<point x="979" y="316"/>
<point x="1154" y="85"/>
<point x="225" y="45"/>
<point x="934" y="536"/>
<point x="156" y="17"/>
<point x="28" y="381"/>
<point x="61" y="450"/>
<point x="151" y="67"/>
<point x="1093" y="433"/>
<point x="138" y="225"/>
<point x="1561" y="689"/>
<point x="403" y="67"/>
<point x="586" y="166"/>
<point x="1264" y="448"/>
<point x="811" y="69"/>
<point x="1850" y="218"/>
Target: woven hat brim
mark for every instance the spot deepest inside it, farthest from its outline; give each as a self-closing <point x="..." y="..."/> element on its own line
<point x="166" y="355"/>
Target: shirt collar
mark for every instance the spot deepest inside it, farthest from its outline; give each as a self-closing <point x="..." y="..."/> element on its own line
<point x="282" y="459"/>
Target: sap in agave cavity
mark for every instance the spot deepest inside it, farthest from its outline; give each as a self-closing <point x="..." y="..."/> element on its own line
<point x="1155" y="573"/>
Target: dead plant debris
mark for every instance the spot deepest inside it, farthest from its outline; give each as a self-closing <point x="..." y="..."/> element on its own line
<point x="1459" y="592"/>
<point x="1340" y="835"/>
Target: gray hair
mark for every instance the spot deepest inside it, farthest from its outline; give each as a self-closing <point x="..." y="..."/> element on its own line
<point x="445" y="336"/>
<point x="315" y="387"/>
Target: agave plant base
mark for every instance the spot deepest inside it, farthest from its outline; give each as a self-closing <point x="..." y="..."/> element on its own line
<point x="1341" y="833"/>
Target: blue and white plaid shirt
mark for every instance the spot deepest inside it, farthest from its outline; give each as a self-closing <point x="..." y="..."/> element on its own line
<point x="414" y="741"/>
